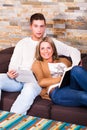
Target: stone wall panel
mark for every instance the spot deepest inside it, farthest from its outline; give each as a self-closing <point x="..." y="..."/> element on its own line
<point x="66" y="20"/>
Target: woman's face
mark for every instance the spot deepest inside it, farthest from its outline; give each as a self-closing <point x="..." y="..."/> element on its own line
<point x="46" y="51"/>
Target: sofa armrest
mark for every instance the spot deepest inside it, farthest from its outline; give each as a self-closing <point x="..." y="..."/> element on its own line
<point x="5" y="56"/>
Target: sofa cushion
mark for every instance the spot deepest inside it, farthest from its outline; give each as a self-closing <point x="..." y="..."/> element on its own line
<point x="7" y="99"/>
<point x="69" y="114"/>
<point x="41" y="107"/>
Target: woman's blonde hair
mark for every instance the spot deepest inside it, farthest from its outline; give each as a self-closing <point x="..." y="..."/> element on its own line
<point x="50" y="41"/>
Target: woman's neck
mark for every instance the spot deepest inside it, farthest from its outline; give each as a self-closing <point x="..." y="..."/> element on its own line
<point x="48" y="60"/>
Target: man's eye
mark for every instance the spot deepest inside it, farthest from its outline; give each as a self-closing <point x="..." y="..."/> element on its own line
<point x="35" y="26"/>
<point x="42" y="26"/>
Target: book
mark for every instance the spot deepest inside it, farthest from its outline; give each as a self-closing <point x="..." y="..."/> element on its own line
<point x="65" y="80"/>
<point x="25" y="76"/>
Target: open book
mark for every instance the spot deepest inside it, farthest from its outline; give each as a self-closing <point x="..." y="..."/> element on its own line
<point x="65" y="80"/>
<point x="26" y="76"/>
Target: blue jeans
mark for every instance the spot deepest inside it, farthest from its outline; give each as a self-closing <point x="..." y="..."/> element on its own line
<point x="28" y="92"/>
<point x="76" y="93"/>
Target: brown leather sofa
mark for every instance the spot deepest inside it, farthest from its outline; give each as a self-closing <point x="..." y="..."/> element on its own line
<point x="41" y="107"/>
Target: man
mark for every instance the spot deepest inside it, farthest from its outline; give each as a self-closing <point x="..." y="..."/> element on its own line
<point x="23" y="57"/>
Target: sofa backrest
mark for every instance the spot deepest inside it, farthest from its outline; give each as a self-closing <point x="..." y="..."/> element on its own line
<point x="84" y="60"/>
<point x="5" y="56"/>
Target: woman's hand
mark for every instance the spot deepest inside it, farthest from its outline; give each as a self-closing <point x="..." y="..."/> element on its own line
<point x="12" y="74"/>
<point x="59" y="78"/>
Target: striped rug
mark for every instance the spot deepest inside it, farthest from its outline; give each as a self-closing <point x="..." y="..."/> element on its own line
<point x="12" y="121"/>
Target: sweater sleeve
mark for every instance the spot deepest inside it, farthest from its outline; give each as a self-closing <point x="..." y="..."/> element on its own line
<point x="69" y="51"/>
<point x="44" y="81"/>
<point x="16" y="58"/>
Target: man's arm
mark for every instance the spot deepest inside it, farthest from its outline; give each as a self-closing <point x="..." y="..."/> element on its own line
<point x="69" y="51"/>
<point x="15" y="60"/>
<point x="14" y="63"/>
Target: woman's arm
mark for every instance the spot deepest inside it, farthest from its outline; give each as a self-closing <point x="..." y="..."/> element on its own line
<point x="43" y="80"/>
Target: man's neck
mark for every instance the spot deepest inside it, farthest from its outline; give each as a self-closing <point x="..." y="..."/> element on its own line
<point x="35" y="39"/>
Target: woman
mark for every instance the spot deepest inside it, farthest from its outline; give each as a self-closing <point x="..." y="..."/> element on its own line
<point x="48" y="69"/>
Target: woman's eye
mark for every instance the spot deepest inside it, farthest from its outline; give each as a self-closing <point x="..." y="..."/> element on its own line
<point x="42" y="48"/>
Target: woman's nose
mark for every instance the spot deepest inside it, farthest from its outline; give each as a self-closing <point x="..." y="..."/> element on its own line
<point x="45" y="50"/>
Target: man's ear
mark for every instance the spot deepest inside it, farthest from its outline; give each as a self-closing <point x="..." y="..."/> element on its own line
<point x="30" y="27"/>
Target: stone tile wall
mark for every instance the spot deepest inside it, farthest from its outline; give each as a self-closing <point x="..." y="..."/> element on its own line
<point x="66" y="20"/>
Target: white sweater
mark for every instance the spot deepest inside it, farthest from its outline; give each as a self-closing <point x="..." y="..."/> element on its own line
<point x="23" y="55"/>
<point x="69" y="51"/>
<point x="24" y="52"/>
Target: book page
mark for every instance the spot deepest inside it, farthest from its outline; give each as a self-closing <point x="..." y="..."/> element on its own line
<point x="64" y="80"/>
<point x="65" y="77"/>
<point x="25" y="76"/>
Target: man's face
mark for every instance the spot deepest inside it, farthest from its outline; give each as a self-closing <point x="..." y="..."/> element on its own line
<point x="38" y="29"/>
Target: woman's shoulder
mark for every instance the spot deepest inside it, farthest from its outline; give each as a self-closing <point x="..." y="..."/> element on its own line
<point x="37" y="63"/>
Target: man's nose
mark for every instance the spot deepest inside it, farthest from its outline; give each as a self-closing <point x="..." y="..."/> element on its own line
<point x="39" y="28"/>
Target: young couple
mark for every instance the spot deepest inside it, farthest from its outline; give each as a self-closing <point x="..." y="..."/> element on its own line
<point x="23" y="57"/>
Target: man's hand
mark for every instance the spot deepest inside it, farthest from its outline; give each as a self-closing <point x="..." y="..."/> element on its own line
<point x="12" y="74"/>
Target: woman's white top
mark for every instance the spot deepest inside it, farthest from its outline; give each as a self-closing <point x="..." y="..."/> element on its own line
<point x="56" y="69"/>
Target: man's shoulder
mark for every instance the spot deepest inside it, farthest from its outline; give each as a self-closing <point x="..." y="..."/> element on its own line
<point x="25" y="39"/>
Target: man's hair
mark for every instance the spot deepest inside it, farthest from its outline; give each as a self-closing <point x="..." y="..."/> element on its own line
<point x="50" y="41"/>
<point x="37" y="16"/>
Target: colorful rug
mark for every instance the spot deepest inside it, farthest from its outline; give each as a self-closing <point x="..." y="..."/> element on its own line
<point x="12" y="121"/>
